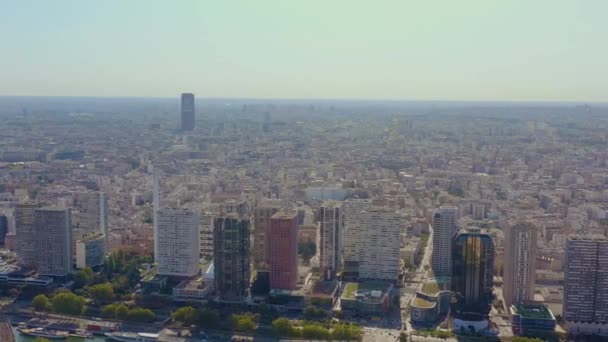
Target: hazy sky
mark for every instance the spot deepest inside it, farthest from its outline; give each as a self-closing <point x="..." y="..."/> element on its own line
<point x="361" y="49"/>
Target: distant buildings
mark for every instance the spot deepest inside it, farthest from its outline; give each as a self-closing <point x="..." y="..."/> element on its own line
<point x="586" y="284"/>
<point x="231" y="257"/>
<point x="444" y="227"/>
<point x="473" y="270"/>
<point x="284" y="250"/>
<point x="44" y="239"/>
<point x="261" y="228"/>
<point x="330" y="235"/>
<point x="178" y="242"/>
<point x="188" y="117"/>
<point x="519" y="263"/>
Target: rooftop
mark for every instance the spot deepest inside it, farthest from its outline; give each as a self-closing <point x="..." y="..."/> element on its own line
<point x="537" y="311"/>
<point x="354" y="290"/>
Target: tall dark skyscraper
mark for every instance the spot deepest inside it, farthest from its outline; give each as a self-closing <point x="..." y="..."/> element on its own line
<point x="231" y="256"/>
<point x="472" y="270"/>
<point x="187" y="112"/>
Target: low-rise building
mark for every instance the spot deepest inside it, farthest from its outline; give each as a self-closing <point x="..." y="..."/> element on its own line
<point x="532" y="319"/>
<point x="431" y="302"/>
<point x="371" y="297"/>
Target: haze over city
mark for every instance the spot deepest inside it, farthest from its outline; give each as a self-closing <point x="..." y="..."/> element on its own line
<point x="194" y="171"/>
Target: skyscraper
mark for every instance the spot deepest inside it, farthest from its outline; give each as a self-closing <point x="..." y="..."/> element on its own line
<point x="444" y="227"/>
<point x="44" y="239"/>
<point x="178" y="242"/>
<point x="519" y="263"/>
<point x="231" y="257"/>
<point x="284" y="250"/>
<point x="261" y="230"/>
<point x="187" y="112"/>
<point x="586" y="284"/>
<point x="330" y="235"/>
<point x="473" y="270"/>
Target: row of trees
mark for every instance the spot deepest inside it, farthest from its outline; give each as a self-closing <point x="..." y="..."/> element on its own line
<point x="312" y="330"/>
<point x="63" y="302"/>
<point x="210" y="319"/>
<point x="122" y="312"/>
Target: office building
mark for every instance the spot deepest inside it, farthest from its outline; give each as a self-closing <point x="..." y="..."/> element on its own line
<point x="261" y="228"/>
<point x="473" y="270"/>
<point x="178" y="242"/>
<point x="519" y="263"/>
<point x="284" y="250"/>
<point x="585" y="283"/>
<point x="188" y="117"/>
<point x="44" y="239"/>
<point x="330" y="235"/>
<point x="444" y="227"/>
<point x="231" y="257"/>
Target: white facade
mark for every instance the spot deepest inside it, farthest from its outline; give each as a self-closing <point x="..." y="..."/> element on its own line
<point x="519" y="263"/>
<point x="90" y="251"/>
<point x="372" y="239"/>
<point x="444" y="227"/>
<point x="178" y="242"/>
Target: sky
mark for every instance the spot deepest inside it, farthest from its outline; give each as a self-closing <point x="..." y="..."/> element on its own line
<point x="465" y="50"/>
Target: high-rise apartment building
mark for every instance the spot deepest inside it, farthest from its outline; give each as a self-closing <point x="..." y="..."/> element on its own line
<point x="330" y="238"/>
<point x="473" y="270"/>
<point x="284" y="250"/>
<point x="90" y="212"/>
<point x="379" y="244"/>
<point x="353" y="208"/>
<point x="585" y="284"/>
<point x="519" y="263"/>
<point x="187" y="112"/>
<point x="206" y="235"/>
<point x="231" y="257"/>
<point x="178" y="242"/>
<point x="261" y="230"/>
<point x="444" y="227"/>
<point x="44" y="239"/>
<point x="25" y="233"/>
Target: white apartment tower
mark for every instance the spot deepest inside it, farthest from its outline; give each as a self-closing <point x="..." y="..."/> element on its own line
<point x="444" y="227"/>
<point x="586" y="284"/>
<point x="330" y="238"/>
<point x="351" y="234"/>
<point x="519" y="263"/>
<point x="178" y="242"/>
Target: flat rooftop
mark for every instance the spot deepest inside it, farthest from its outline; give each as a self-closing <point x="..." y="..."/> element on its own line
<point x="537" y="311"/>
<point x="353" y="290"/>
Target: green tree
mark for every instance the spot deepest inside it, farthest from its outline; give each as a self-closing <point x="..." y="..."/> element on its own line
<point x="185" y="315"/>
<point x="315" y="331"/>
<point x="122" y="312"/>
<point x="68" y="303"/>
<point x="141" y="315"/>
<point x="243" y="323"/>
<point x="307" y="250"/>
<point x="346" y="332"/>
<point x="101" y="293"/>
<point x="41" y="303"/>
<point x="403" y="337"/>
<point x="281" y="327"/>
<point x="109" y="311"/>
<point x="42" y="339"/>
<point x="312" y="313"/>
<point x="208" y="318"/>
